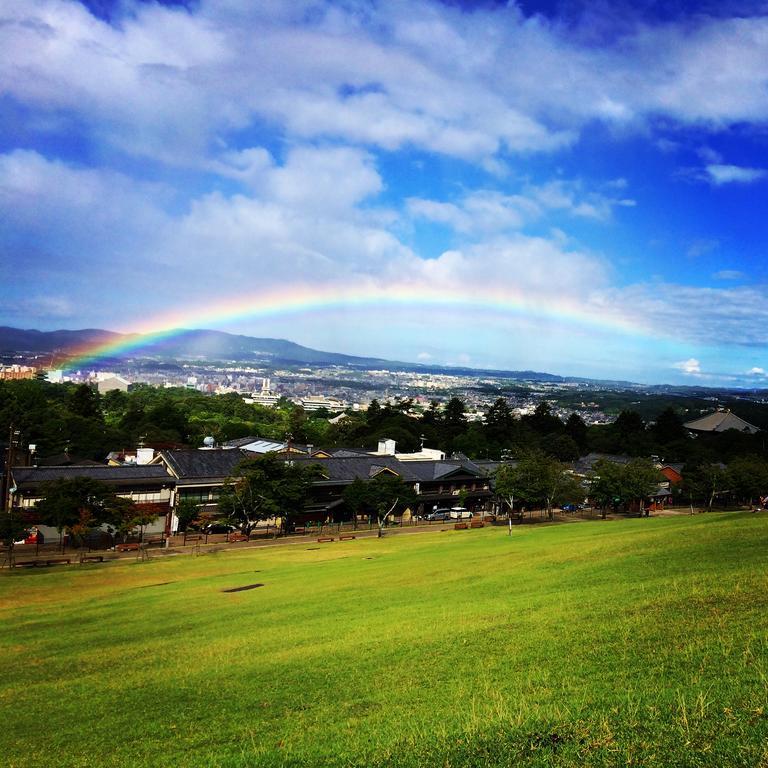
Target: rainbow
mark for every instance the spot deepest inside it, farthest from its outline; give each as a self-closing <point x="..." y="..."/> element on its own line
<point x="301" y="299"/>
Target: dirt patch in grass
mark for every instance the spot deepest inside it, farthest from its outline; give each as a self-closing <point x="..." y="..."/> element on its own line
<point x="243" y="589"/>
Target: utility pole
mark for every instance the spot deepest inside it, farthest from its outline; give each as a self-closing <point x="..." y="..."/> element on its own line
<point x="10" y="459"/>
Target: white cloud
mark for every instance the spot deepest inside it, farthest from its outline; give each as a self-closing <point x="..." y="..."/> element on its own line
<point x="66" y="210"/>
<point x="733" y="174"/>
<point x="691" y="367"/>
<point x="168" y="82"/>
<point x="701" y="247"/>
<point x="729" y="317"/>
<point x="756" y="372"/>
<point x="729" y="274"/>
<point x="488" y="211"/>
<point x="127" y="242"/>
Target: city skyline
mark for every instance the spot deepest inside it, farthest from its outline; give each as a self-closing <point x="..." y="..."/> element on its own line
<point x="565" y="187"/>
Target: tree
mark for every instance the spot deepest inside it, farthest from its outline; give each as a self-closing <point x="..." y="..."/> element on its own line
<point x="748" y="478"/>
<point x="77" y="504"/>
<point x="357" y="498"/>
<point x="186" y="513"/>
<point x="510" y="485"/>
<point x="12" y="528"/>
<point x="267" y="487"/>
<point x="563" y="448"/>
<point x="499" y="419"/>
<point x="543" y="421"/>
<point x="383" y="494"/>
<point x="641" y="479"/>
<point x="612" y="483"/>
<point x="668" y="427"/>
<point x="455" y="415"/>
<point x="630" y="434"/>
<point x="557" y="484"/>
<point x="85" y="402"/>
<point x="432" y="415"/>
<point x="606" y="484"/>
<point x="537" y="479"/>
<point x="373" y="413"/>
<point x="704" y="481"/>
<point x="576" y="429"/>
<point x="126" y="517"/>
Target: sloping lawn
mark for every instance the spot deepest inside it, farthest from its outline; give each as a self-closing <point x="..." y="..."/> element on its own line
<point x="641" y="642"/>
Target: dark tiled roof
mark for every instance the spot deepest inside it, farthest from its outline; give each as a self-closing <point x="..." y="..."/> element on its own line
<point x="586" y="463"/>
<point x="196" y="464"/>
<point x="436" y="470"/>
<point x="348" y="468"/>
<point x="28" y="477"/>
<point x="487" y="466"/>
<point x="342" y="467"/>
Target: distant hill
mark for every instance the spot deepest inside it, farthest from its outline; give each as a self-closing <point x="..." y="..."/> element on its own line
<point x="217" y="346"/>
<point x="29" y="340"/>
<point x="191" y="344"/>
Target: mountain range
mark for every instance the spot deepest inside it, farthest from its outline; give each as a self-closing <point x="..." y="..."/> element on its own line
<point x="208" y="346"/>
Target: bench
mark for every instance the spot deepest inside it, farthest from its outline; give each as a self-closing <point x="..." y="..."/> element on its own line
<point x="92" y="559"/>
<point x="299" y="529"/>
<point x="477" y="524"/>
<point x="346" y="537"/>
<point x="238" y="537"/>
<point x="35" y="563"/>
<point x="132" y="546"/>
<point x="460" y="527"/>
<point x="324" y="539"/>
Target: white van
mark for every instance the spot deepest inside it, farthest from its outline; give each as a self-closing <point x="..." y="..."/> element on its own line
<point x="460" y="513"/>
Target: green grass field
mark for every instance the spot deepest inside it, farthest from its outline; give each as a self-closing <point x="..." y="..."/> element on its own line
<point x="641" y="642"/>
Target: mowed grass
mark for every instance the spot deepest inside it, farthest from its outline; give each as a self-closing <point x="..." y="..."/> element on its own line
<point x="641" y="642"/>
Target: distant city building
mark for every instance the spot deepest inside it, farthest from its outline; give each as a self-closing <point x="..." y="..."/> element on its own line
<point x="265" y="397"/>
<point x="14" y="372"/>
<point x="316" y="402"/>
<point x="112" y="383"/>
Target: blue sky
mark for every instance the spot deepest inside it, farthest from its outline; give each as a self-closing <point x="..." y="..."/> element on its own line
<point x="607" y="162"/>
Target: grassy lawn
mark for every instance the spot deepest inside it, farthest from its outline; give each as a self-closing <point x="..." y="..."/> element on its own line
<point x="640" y="642"/>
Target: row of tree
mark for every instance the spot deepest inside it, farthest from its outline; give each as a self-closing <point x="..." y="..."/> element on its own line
<point x="541" y="481"/>
<point x="268" y="487"/>
<point x="76" y="419"/>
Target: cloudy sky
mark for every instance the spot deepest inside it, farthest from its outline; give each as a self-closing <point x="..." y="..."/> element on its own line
<point x="576" y="187"/>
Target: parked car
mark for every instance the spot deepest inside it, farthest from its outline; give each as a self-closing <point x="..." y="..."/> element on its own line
<point x="460" y="513"/>
<point x="219" y="528"/>
<point x="439" y="514"/>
